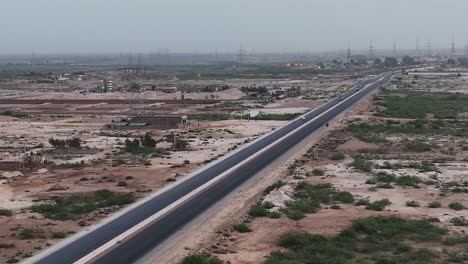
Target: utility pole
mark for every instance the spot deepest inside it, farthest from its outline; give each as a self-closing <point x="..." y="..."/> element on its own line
<point x="429" y="49"/>
<point x="241" y="54"/>
<point x="452" y="46"/>
<point x="418" y="52"/>
<point x="371" y="49"/>
<point x="348" y="52"/>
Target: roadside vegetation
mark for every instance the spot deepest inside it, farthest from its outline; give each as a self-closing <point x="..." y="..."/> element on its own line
<point x="375" y="239"/>
<point x="407" y="104"/>
<point x="201" y="259"/>
<point x="73" y="207"/>
<point x="308" y="199"/>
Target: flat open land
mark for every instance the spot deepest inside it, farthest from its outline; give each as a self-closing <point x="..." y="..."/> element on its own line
<point x="388" y="184"/>
<point x="63" y="169"/>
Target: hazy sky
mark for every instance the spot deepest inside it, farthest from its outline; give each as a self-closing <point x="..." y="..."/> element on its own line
<point x="59" y="26"/>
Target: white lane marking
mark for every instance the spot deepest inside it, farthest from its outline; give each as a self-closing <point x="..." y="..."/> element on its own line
<point x="140" y="226"/>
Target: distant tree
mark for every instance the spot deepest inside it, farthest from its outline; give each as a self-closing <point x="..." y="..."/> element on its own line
<point x="147" y="141"/>
<point x="463" y="62"/>
<point x="377" y="61"/>
<point x="180" y="144"/>
<point x="60" y="143"/>
<point x="407" y="60"/>
<point x="74" y="143"/>
<point x="390" y="62"/>
<point x="451" y="61"/>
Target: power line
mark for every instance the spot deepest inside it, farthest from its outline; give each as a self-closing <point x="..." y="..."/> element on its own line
<point x="241" y="53"/>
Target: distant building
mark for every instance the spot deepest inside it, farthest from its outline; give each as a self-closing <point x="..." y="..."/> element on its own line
<point x="162" y="122"/>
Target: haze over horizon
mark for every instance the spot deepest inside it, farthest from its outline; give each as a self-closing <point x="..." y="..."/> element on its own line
<point x="98" y="26"/>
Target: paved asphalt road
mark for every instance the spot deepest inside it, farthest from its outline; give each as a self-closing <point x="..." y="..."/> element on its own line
<point x="138" y="245"/>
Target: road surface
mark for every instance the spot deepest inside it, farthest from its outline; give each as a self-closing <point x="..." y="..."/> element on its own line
<point x="138" y="244"/>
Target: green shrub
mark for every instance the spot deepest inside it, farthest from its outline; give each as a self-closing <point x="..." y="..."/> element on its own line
<point x="459" y="221"/>
<point x="295" y="214"/>
<point x="408" y="181"/>
<point x="31" y="233"/>
<point x="412" y="204"/>
<point x="59" y="235"/>
<point x="5" y="212"/>
<point x="201" y="259"/>
<point x="268" y="205"/>
<point x="361" y="202"/>
<point x="418" y="147"/>
<point x="275" y="215"/>
<point x="383" y="238"/>
<point x="242" y="228"/>
<point x="362" y="164"/>
<point x="72" y="207"/>
<point x="456" y="206"/>
<point x="338" y="156"/>
<point x="318" y="172"/>
<point x="378" y="205"/>
<point x="434" y="204"/>
<point x="258" y="211"/>
<point x="344" y="197"/>
<point x="403" y="247"/>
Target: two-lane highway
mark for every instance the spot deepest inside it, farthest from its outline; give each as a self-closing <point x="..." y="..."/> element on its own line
<point x="253" y="158"/>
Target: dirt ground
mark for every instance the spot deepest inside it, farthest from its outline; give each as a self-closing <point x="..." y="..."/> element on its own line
<point x="101" y="163"/>
<point x="253" y="247"/>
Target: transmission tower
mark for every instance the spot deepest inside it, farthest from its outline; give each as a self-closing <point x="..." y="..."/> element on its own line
<point x="418" y="51"/>
<point x="371" y="49"/>
<point x="348" y="52"/>
<point x="394" y="49"/>
<point x="452" y="46"/>
<point x="139" y="62"/>
<point x="429" y="48"/>
<point x="466" y="49"/>
<point x="241" y="53"/>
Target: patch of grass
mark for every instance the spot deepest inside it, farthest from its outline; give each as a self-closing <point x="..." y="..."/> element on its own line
<point x="59" y="235"/>
<point x="344" y="197"/>
<point x="5" y="212"/>
<point x="278" y="117"/>
<point x="378" y="205"/>
<point x="456" y="206"/>
<point x="242" y="228"/>
<point x="201" y="259"/>
<point x="459" y="221"/>
<point x="419" y="147"/>
<point x="31" y="233"/>
<point x="380" y="238"/>
<point x="318" y="172"/>
<point x="408" y="181"/>
<point x="275" y="215"/>
<point x="418" y="105"/>
<point x="72" y="207"/>
<point x="258" y="211"/>
<point x="362" y="202"/>
<point x="307" y="199"/>
<point x="338" y="156"/>
<point x="362" y="164"/>
<point x="412" y="204"/>
<point x="434" y="204"/>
